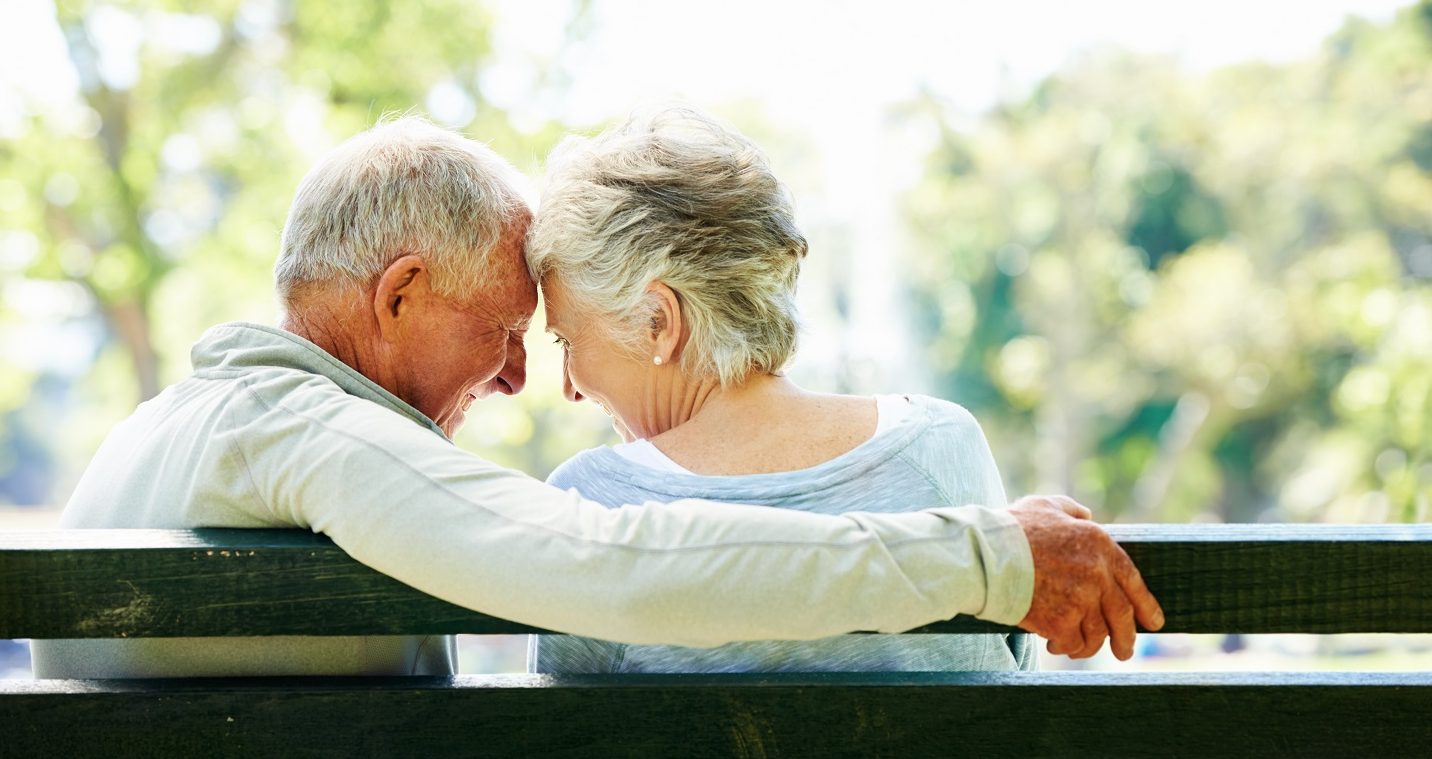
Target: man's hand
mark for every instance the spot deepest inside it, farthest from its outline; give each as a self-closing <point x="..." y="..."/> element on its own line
<point x="1085" y="587"/>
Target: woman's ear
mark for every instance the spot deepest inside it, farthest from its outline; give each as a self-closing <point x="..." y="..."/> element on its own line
<point x="402" y="291"/>
<point x="668" y="327"/>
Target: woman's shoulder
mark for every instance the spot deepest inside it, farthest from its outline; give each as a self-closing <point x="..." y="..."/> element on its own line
<point x="945" y="415"/>
<point x="952" y="451"/>
<point x="580" y="468"/>
<point x="948" y="431"/>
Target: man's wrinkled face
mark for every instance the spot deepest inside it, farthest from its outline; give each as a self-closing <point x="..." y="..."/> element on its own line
<point x="473" y="347"/>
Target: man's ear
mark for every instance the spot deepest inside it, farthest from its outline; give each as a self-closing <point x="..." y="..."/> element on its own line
<point x="668" y="326"/>
<point x="402" y="291"/>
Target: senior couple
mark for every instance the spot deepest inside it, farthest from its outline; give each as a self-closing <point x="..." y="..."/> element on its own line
<point x="744" y="524"/>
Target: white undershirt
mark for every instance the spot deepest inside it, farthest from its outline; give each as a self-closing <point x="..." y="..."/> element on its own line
<point x="890" y="411"/>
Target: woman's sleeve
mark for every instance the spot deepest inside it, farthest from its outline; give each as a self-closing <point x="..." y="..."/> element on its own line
<point x="958" y="458"/>
<point x="963" y="464"/>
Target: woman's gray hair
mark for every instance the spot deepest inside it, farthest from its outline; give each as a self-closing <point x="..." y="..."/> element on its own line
<point x="675" y="197"/>
<point x="403" y="187"/>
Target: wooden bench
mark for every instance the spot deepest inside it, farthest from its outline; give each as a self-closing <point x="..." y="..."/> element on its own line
<point x="1212" y="578"/>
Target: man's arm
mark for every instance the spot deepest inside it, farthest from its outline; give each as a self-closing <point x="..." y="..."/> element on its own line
<point x="409" y="504"/>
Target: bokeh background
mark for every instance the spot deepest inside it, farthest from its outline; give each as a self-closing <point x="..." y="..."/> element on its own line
<point x="1177" y="260"/>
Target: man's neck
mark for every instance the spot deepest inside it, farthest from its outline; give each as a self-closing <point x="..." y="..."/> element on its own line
<point x="339" y="331"/>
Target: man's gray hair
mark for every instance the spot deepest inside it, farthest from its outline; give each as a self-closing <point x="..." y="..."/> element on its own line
<point x="675" y="197"/>
<point x="403" y="187"/>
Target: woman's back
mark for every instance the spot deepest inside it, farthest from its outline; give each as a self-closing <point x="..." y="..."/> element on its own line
<point x="935" y="455"/>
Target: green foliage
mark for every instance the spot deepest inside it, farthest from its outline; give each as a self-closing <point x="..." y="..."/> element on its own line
<point x="163" y="194"/>
<point x="1197" y="297"/>
<point x="1178" y="297"/>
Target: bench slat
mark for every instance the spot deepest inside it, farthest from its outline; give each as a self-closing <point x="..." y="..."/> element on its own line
<point x="162" y="583"/>
<point x="1029" y="714"/>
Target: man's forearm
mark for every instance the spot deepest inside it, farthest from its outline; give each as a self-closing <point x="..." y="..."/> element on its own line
<point x="685" y="573"/>
<point x="698" y="574"/>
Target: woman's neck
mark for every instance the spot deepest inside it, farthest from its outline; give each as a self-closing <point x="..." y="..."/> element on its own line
<point x="708" y="404"/>
<point x="766" y="424"/>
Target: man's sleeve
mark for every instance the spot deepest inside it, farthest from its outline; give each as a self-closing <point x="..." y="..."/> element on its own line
<point x="411" y="505"/>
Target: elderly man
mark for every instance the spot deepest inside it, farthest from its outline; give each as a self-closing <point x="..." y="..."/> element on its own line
<point x="406" y="298"/>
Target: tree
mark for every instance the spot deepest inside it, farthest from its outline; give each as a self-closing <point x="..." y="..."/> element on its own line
<point x="167" y="171"/>
<point x="1185" y="295"/>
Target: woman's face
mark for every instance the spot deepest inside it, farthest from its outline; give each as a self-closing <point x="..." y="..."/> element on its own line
<point x="597" y="368"/>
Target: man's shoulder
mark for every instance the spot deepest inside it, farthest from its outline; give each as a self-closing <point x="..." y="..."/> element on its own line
<point x="191" y="443"/>
<point x="272" y="387"/>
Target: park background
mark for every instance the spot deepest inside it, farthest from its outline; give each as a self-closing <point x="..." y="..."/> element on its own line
<point x="1177" y="259"/>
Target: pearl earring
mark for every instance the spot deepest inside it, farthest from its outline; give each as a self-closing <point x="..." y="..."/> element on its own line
<point x="656" y="360"/>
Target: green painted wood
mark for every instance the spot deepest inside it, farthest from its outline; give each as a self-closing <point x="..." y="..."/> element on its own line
<point x="121" y="583"/>
<point x="166" y="583"/>
<point x="1025" y="714"/>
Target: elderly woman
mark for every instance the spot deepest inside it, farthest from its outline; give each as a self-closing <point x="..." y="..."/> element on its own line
<point x="668" y="256"/>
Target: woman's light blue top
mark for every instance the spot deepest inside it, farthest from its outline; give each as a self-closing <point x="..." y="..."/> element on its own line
<point x="937" y="456"/>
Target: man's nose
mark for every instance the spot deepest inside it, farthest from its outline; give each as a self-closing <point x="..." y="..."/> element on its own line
<point x="514" y="372"/>
<point x="568" y="389"/>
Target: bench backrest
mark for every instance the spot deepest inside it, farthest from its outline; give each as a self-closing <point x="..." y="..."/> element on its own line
<point x="1209" y="578"/>
<point x="162" y="583"/>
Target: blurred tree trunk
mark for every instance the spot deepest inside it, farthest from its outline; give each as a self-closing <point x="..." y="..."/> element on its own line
<point x="1176" y="438"/>
<point x="130" y="322"/>
<point x="126" y="311"/>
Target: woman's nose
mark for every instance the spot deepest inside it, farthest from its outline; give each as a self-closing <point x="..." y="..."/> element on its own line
<point x="568" y="389"/>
